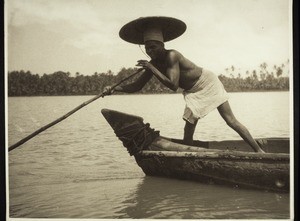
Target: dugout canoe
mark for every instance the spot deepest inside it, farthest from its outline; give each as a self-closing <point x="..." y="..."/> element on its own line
<point x="230" y="162"/>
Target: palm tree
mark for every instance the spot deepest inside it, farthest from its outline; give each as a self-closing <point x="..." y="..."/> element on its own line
<point x="278" y="72"/>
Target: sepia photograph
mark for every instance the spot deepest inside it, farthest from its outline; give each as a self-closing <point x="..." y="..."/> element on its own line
<point x="141" y="109"/>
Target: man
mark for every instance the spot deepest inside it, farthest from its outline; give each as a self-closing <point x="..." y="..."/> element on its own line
<point x="203" y="91"/>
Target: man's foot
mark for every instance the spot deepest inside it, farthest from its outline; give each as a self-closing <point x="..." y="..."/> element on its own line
<point x="262" y="143"/>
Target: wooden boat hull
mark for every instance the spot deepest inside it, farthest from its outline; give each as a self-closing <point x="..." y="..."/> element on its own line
<point x="228" y="162"/>
<point x="213" y="168"/>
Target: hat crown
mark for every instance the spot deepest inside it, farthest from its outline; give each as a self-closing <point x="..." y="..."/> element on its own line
<point x="153" y="33"/>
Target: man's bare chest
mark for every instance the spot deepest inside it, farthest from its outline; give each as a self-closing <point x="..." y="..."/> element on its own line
<point x="161" y="66"/>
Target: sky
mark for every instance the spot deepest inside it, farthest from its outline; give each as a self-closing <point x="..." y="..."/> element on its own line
<point x="82" y="36"/>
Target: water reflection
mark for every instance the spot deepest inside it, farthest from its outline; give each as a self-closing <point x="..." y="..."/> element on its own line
<point x="175" y="199"/>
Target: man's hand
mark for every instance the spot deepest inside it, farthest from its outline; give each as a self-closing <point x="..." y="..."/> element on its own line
<point x="107" y="91"/>
<point x="144" y="64"/>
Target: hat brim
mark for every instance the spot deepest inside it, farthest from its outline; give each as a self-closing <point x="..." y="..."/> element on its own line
<point x="133" y="31"/>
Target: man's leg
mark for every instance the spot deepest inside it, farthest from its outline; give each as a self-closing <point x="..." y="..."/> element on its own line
<point x="189" y="130"/>
<point x="226" y="112"/>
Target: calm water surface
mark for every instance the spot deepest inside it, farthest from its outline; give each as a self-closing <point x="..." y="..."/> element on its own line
<point x="79" y="169"/>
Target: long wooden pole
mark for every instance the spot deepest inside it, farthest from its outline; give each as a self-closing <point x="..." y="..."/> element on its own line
<point x="14" y="146"/>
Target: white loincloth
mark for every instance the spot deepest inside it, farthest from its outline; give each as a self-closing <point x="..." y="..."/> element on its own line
<point x="206" y="95"/>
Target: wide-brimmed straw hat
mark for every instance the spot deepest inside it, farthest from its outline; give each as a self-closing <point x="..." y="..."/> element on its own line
<point x="157" y="28"/>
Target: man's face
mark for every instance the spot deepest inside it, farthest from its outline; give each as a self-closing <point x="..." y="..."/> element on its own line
<point x="154" y="48"/>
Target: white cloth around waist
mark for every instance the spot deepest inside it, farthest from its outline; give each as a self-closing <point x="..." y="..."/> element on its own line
<point x="207" y="94"/>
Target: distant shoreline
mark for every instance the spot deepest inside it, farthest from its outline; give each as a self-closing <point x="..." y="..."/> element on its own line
<point x="73" y="95"/>
<point x="60" y="83"/>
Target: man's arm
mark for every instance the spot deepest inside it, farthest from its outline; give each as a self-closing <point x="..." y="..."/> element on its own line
<point x="171" y="77"/>
<point x="173" y="70"/>
<point x="136" y="85"/>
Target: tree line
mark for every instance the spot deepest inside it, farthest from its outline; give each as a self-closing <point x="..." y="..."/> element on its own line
<point x="24" y="83"/>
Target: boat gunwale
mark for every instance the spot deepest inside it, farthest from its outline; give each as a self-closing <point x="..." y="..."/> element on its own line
<point x="217" y="154"/>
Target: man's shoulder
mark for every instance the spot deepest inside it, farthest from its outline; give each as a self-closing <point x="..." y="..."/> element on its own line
<point x="173" y="54"/>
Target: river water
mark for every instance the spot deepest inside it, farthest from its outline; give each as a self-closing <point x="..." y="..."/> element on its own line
<point x="79" y="169"/>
